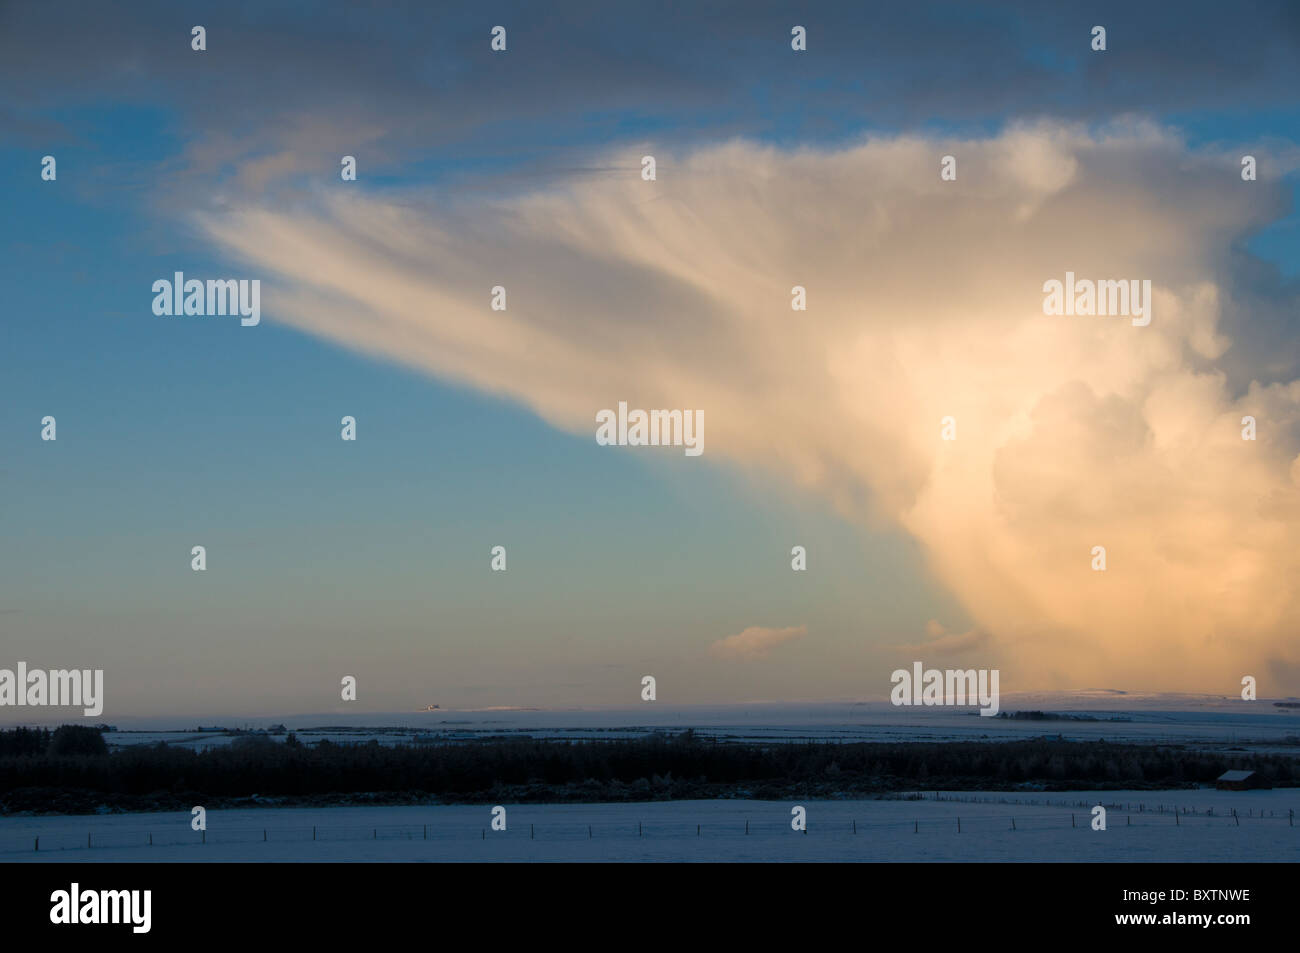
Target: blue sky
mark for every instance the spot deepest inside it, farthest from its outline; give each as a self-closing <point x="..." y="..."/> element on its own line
<point x="328" y="558"/>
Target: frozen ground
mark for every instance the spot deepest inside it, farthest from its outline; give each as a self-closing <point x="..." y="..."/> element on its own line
<point x="1141" y="827"/>
<point x="1212" y="722"/>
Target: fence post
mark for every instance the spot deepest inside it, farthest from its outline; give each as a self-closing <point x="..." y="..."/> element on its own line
<point x="313" y="832"/>
<point x="959" y="825"/>
<point x="1013" y="823"/>
<point x="588" y="832"/>
<point x="746" y="825"/>
<point x="38" y="844"/>
<point x="88" y="839"/>
<point x="638" y="828"/>
<point x="151" y="839"/>
<point x="855" y="825"/>
<point x="1235" y="817"/>
<point x="916" y="827"/>
<point x="1071" y="820"/>
<point x="530" y="831"/>
<point x="426" y="831"/>
<point x="1176" y="824"/>
<point x="263" y="835"/>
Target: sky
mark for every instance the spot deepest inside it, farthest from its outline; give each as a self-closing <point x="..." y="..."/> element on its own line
<point x="522" y="168"/>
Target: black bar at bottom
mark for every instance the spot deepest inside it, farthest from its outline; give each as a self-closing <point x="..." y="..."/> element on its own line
<point x="931" y="903"/>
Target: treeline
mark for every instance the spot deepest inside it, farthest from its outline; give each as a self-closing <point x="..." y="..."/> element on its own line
<point x="1055" y="716"/>
<point x="64" y="740"/>
<point x="43" y="774"/>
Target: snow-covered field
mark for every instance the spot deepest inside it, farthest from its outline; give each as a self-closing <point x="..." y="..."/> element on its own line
<point x="1201" y="720"/>
<point x="1141" y="827"/>
<point x="1195" y="825"/>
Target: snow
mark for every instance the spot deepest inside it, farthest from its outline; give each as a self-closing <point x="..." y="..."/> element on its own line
<point x="1141" y="825"/>
<point x="887" y="830"/>
<point x="1199" y="720"/>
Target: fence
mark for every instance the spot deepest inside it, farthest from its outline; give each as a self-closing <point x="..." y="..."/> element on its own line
<point x="1047" y="800"/>
<point x="1026" y="822"/>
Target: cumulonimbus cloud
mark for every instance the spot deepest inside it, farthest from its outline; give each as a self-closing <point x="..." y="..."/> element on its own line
<point x="924" y="302"/>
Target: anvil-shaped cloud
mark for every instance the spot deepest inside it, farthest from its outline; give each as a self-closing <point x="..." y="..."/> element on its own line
<point x="924" y="301"/>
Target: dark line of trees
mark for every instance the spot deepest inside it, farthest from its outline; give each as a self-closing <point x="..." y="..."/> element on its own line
<point x="65" y="740"/>
<point x="72" y="766"/>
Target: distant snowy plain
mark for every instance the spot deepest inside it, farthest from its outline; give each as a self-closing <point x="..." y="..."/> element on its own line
<point x="1210" y="722"/>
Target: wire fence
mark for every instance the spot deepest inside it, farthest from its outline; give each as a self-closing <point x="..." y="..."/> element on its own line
<point x="1140" y="807"/>
<point x="1027" y="822"/>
